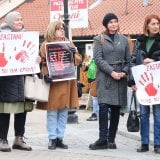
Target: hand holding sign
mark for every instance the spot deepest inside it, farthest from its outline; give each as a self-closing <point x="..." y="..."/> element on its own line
<point x="147" y="82"/>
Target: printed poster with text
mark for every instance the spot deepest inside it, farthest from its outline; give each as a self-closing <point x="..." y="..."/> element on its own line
<point x="147" y="79"/>
<point x="60" y="61"/>
<point x="18" y="53"/>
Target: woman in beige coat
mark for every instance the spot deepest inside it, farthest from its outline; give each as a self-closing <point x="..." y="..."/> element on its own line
<point x="63" y="95"/>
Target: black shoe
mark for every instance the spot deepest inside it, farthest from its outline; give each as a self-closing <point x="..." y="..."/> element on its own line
<point x="52" y="144"/>
<point x="143" y="148"/>
<point x="112" y="145"/>
<point x="93" y="117"/>
<point x="60" y="144"/>
<point x="157" y="149"/>
<point x="99" y="144"/>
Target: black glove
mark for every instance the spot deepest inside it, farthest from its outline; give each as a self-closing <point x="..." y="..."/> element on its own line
<point x="71" y="48"/>
<point x="47" y="79"/>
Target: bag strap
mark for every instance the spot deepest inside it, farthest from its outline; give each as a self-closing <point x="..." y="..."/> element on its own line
<point x="135" y="102"/>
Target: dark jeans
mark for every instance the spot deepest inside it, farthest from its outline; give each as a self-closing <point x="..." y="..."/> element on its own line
<point x="107" y="131"/>
<point x="19" y="124"/>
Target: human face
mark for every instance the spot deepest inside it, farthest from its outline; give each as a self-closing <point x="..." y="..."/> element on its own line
<point x="60" y="32"/>
<point x="18" y="23"/>
<point x="113" y="26"/>
<point x="153" y="27"/>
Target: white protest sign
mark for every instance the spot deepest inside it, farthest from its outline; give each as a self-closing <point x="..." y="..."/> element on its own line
<point x="147" y="79"/>
<point x="18" y="53"/>
<point x="77" y="10"/>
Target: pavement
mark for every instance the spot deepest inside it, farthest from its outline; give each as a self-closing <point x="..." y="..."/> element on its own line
<point x="78" y="136"/>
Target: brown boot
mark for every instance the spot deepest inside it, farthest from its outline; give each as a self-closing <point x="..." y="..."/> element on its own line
<point x="4" y="147"/>
<point x="20" y="144"/>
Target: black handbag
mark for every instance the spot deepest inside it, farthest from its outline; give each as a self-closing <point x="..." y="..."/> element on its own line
<point x="133" y="119"/>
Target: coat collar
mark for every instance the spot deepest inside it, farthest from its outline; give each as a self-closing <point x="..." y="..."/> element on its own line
<point x="142" y="39"/>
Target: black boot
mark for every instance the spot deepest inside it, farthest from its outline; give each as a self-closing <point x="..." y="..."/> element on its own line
<point x="157" y="149"/>
<point x="143" y="148"/>
<point x="52" y="144"/>
<point x="60" y="144"/>
<point x="112" y="145"/>
<point x="99" y="144"/>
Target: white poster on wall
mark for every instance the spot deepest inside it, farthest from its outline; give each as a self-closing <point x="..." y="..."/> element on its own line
<point x="77" y="10"/>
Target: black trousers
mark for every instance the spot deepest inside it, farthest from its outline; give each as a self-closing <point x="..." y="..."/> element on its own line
<point x="108" y="130"/>
<point x="19" y="124"/>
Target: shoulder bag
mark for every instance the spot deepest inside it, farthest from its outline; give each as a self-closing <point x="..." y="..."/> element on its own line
<point x="36" y="88"/>
<point x="133" y="119"/>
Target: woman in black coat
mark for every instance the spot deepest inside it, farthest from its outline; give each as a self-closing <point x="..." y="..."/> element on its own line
<point x="148" y="50"/>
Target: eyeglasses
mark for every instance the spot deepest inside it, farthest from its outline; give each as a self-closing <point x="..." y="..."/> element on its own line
<point x="60" y="29"/>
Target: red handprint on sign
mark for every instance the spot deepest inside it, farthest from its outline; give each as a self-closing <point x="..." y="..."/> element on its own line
<point x="147" y="82"/>
<point x="25" y="52"/>
<point x="3" y="60"/>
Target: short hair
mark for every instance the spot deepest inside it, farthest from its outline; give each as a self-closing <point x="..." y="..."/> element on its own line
<point x="147" y="21"/>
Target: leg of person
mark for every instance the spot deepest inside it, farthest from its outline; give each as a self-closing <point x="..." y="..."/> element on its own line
<point x="52" y="118"/>
<point x="156" y="114"/>
<point x="61" y="126"/>
<point x="4" y="127"/>
<point x="95" y="111"/>
<point x="113" y="126"/>
<point x="102" y="142"/>
<point x="19" y="127"/>
<point x="144" y="130"/>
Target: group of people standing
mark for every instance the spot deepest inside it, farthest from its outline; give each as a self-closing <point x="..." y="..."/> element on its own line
<point x="113" y="59"/>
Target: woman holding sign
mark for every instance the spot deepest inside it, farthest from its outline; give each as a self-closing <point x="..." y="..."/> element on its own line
<point x="148" y="50"/>
<point x="12" y="99"/>
<point x="58" y="60"/>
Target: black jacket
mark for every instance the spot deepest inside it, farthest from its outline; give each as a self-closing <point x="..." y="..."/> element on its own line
<point x="140" y="54"/>
<point x="12" y="89"/>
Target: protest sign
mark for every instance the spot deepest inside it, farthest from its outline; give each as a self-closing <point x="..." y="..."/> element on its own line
<point x="60" y="61"/>
<point x="18" y="53"/>
<point x="147" y="80"/>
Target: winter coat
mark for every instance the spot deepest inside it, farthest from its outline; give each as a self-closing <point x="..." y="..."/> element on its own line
<point x="63" y="94"/>
<point x="140" y="53"/>
<point x="111" y="56"/>
<point x="11" y="87"/>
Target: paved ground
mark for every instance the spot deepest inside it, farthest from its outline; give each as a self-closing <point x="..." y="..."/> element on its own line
<point x="78" y="137"/>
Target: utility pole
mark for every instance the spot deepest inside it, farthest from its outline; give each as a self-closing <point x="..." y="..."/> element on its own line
<point x="72" y="117"/>
<point x="66" y="18"/>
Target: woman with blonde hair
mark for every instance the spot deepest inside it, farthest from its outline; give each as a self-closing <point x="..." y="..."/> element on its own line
<point x="63" y="94"/>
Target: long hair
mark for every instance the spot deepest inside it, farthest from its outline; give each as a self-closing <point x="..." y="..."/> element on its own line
<point x="51" y="29"/>
<point x="147" y="21"/>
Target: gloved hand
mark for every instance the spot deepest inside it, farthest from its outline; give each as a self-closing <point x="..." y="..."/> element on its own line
<point x="47" y="79"/>
<point x="72" y="48"/>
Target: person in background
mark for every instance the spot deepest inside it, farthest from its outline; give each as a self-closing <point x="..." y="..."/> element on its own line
<point x="112" y="57"/>
<point x="92" y="68"/>
<point x="12" y="99"/>
<point x="148" y="50"/>
<point x="63" y="94"/>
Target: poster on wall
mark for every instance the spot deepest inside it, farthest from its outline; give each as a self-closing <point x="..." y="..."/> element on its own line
<point x="77" y="10"/>
<point x="18" y="53"/>
<point x="60" y="61"/>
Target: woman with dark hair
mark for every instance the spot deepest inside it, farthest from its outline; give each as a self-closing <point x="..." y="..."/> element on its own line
<point x="148" y="50"/>
<point x="112" y="56"/>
